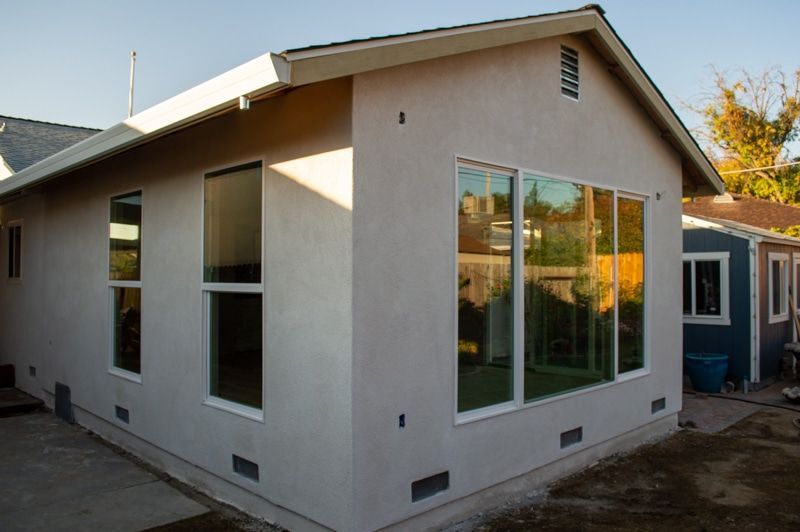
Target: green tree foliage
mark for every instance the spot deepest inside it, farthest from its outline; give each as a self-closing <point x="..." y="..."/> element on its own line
<point x="747" y="124"/>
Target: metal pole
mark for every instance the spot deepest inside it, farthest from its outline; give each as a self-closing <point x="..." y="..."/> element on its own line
<point x="130" y="93"/>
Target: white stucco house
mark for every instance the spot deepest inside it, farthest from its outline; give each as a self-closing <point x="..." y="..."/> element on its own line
<point x="381" y="283"/>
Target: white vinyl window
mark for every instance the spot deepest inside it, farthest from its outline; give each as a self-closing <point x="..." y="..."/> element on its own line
<point x="15" y="250"/>
<point x="551" y="288"/>
<point x="778" y="264"/>
<point x="706" y="288"/>
<point x="233" y="289"/>
<point x="125" y="284"/>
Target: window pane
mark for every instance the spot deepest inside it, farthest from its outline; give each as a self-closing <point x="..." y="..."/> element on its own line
<point x="485" y="318"/>
<point x="14" y="250"/>
<point x="125" y="237"/>
<point x="127" y="319"/>
<point x="232" y="251"/>
<point x="235" y="345"/>
<point x="687" y="288"/>
<point x="778" y="287"/>
<point x="795" y="291"/>
<point x="569" y="301"/>
<point x="631" y="298"/>
<point x="707" y="288"/>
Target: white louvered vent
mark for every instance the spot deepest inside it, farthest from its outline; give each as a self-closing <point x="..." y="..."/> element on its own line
<point x="569" y="73"/>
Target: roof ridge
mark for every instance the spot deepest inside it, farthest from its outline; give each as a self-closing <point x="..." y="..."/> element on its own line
<point x="49" y="123"/>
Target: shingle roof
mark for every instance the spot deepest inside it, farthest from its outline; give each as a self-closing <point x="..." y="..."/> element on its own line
<point x="746" y="210"/>
<point x="25" y="142"/>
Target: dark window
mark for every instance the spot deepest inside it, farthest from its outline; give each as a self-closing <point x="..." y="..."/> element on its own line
<point x="14" y="251"/>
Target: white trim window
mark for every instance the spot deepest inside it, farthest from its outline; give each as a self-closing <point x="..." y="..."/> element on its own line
<point x="233" y="289"/>
<point x="551" y="288"/>
<point x="125" y="284"/>
<point x="706" y="288"/>
<point x="15" y="250"/>
<point x="778" y="275"/>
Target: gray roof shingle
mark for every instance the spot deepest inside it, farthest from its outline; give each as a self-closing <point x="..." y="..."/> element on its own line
<point x="25" y="142"/>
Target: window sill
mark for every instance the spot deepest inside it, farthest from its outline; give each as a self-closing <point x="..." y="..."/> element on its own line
<point x="633" y="374"/>
<point x="780" y="318"/>
<point x="127" y="375"/>
<point x="253" y="414"/>
<point x="697" y="320"/>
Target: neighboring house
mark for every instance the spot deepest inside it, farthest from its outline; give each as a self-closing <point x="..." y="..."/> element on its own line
<point x="745" y="210"/>
<point x="737" y="281"/>
<point x="25" y="142"/>
<point x="268" y="296"/>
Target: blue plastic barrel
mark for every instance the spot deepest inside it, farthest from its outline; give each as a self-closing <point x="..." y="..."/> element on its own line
<point x="706" y="371"/>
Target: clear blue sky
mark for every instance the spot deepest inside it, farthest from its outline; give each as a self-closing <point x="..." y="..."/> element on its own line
<point x="68" y="61"/>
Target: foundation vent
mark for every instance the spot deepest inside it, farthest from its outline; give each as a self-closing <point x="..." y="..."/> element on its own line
<point x="430" y="486"/>
<point x="658" y="405"/>
<point x="571" y="437"/>
<point x="569" y="73"/>
<point x="245" y="468"/>
<point x="122" y="414"/>
<point x="32" y="371"/>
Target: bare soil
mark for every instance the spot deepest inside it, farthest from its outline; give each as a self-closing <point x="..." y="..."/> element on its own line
<point x="744" y="478"/>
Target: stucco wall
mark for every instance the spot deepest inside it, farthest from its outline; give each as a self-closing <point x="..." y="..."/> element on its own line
<point x="500" y="106"/>
<point x="58" y="317"/>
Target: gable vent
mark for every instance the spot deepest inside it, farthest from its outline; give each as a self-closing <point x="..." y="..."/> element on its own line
<point x="569" y="73"/>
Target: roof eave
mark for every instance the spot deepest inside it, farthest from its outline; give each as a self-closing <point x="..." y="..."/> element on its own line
<point x="255" y="78"/>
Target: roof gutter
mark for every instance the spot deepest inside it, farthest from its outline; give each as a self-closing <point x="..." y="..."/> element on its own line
<point x="256" y="78"/>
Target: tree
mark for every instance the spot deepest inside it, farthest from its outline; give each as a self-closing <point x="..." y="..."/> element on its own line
<point x="747" y="125"/>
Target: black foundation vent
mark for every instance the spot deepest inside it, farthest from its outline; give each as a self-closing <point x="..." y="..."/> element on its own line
<point x="245" y="468"/>
<point x="658" y="405"/>
<point x="430" y="486"/>
<point x="571" y="437"/>
<point x="122" y="414"/>
<point x="32" y="371"/>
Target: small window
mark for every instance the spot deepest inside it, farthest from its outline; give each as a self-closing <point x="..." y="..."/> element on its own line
<point x="705" y="288"/>
<point x="125" y="282"/>
<point x="233" y="289"/>
<point x="569" y="73"/>
<point x="14" y="250"/>
<point x="778" y="287"/>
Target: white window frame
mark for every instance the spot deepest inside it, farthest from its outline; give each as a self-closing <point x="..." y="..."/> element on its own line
<point x="518" y="402"/>
<point x="723" y="257"/>
<point x="16" y="279"/>
<point x="784" y="314"/>
<point x="112" y="369"/>
<point x="209" y="288"/>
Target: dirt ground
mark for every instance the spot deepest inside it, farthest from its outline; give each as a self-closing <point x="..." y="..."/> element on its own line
<point x="744" y="478"/>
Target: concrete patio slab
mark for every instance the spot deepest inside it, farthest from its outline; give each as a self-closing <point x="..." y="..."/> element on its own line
<point x="56" y="476"/>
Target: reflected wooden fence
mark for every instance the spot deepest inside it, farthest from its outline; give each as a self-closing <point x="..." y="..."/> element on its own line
<point x="489" y="276"/>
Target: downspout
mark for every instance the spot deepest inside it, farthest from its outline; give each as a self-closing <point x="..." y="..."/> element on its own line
<point x="755" y="372"/>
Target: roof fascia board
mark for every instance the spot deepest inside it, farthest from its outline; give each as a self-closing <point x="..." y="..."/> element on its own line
<point x="311" y="66"/>
<point x="713" y="226"/>
<point x="653" y="98"/>
<point x="262" y="75"/>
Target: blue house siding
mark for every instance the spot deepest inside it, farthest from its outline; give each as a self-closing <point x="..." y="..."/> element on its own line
<point x="734" y="339"/>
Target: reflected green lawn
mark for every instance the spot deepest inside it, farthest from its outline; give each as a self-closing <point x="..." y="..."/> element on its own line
<point x="480" y="386"/>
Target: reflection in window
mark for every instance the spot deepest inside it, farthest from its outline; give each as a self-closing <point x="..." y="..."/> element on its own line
<point x="485" y="319"/>
<point x="124" y="237"/>
<point x="569" y="277"/>
<point x="778" y="285"/>
<point x="232" y="247"/>
<point x="631" y="296"/>
<point x="127" y="311"/>
<point x="235" y="345"/>
<point x="707" y="287"/>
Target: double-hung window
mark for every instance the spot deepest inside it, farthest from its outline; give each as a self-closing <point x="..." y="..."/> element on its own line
<point x="125" y="283"/>
<point x="233" y="288"/>
<point x="551" y="277"/>
<point x="778" y="287"/>
<point x="706" y="288"/>
<point x="15" y="250"/>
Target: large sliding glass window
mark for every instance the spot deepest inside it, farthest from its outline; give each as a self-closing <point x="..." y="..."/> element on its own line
<point x="569" y="286"/>
<point x="485" y="317"/>
<point x="125" y="282"/>
<point x="233" y="286"/>
<point x="551" y="278"/>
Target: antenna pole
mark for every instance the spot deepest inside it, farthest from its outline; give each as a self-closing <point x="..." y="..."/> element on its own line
<point x="130" y="93"/>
